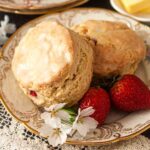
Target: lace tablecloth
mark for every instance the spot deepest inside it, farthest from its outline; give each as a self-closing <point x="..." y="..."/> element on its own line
<point x="13" y="136"/>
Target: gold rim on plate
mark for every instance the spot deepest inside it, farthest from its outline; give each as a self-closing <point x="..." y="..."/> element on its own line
<point x="8" y="5"/>
<point x="75" y="142"/>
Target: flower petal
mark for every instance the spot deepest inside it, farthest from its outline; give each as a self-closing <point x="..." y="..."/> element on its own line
<point x="90" y="122"/>
<point x="59" y="106"/>
<point x="81" y="128"/>
<point x="54" y="122"/>
<point x="62" y="114"/>
<point x="45" y="115"/>
<point x="66" y="128"/>
<point x="84" y="125"/>
<point x="45" y="130"/>
<point x="56" y="139"/>
<point x="63" y="137"/>
<point x="87" y="111"/>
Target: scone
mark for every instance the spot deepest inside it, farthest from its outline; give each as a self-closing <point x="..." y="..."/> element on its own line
<point x="53" y="64"/>
<point x="117" y="49"/>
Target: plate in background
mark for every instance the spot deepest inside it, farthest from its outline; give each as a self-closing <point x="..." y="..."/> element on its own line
<point x="119" y="126"/>
<point x="41" y="8"/>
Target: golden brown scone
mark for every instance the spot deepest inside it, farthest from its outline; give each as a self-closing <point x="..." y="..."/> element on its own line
<point x="53" y="64"/>
<point x="118" y="49"/>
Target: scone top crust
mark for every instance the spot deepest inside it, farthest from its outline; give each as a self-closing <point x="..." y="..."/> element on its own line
<point x="118" y="50"/>
<point x="94" y="28"/>
<point x="43" y="55"/>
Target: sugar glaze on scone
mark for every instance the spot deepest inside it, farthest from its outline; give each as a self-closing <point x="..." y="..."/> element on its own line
<point x="118" y="50"/>
<point x="53" y="64"/>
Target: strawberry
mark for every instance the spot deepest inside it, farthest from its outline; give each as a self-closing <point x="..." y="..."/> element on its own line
<point x="130" y="94"/>
<point x="99" y="100"/>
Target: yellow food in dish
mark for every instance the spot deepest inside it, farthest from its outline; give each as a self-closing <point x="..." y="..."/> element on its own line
<point x="133" y="6"/>
<point x="147" y="10"/>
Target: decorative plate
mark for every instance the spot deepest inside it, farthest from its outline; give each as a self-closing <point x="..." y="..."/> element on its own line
<point x="144" y="17"/>
<point x="38" y="6"/>
<point x="119" y="126"/>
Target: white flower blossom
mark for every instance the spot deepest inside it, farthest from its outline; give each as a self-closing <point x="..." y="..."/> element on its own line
<point x="53" y="128"/>
<point x="52" y="115"/>
<point x="55" y="136"/>
<point x="83" y="122"/>
<point x="59" y="122"/>
<point x="51" y="120"/>
<point x="6" y="28"/>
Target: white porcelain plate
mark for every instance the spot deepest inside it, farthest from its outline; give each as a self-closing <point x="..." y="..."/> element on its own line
<point x="38" y="6"/>
<point x="119" y="126"/>
<point x="144" y="17"/>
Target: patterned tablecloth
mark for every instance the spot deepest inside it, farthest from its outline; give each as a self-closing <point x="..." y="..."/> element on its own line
<point x="13" y="136"/>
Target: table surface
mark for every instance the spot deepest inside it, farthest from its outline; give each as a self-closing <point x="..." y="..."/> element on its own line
<point x="21" y="19"/>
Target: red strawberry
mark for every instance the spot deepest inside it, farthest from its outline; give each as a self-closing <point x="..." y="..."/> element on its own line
<point x="99" y="100"/>
<point x="130" y="94"/>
